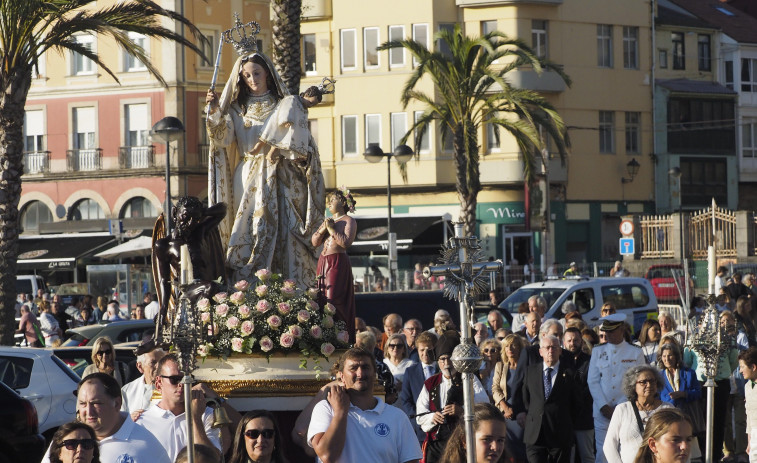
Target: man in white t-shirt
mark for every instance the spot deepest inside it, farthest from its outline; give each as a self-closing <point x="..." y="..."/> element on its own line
<point x="119" y="438"/>
<point x="138" y="393"/>
<point x="167" y="420"/>
<point x="352" y="425"/>
<point x="152" y="308"/>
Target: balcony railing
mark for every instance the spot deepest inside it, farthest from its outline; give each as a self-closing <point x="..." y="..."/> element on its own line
<point x="136" y="157"/>
<point x="203" y="151"/>
<point x="84" y="159"/>
<point x="36" y="162"/>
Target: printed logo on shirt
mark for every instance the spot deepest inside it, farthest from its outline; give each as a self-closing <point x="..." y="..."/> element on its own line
<point x="125" y="458"/>
<point x="381" y="429"/>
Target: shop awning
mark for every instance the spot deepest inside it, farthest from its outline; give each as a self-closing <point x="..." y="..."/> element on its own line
<point x="413" y="234"/>
<point x="60" y="251"/>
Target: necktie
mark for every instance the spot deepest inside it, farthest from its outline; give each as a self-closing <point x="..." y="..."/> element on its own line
<point x="547" y="383"/>
<point x="429" y="371"/>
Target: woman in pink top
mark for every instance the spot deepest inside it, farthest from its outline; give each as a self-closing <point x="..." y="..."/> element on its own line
<point x="334" y="272"/>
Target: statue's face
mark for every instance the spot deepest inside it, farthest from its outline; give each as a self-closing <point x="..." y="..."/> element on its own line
<point x="187" y="219"/>
<point x="255" y="77"/>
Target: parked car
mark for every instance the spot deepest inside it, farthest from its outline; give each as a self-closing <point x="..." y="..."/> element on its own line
<point x="41" y="377"/>
<point x="633" y="297"/>
<point x="20" y="439"/>
<point x="664" y="284"/>
<point x="29" y="284"/>
<point x="118" y="332"/>
<point x="78" y="358"/>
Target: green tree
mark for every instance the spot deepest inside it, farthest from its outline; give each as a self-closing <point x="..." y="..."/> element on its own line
<point x="286" y="42"/>
<point x="471" y="89"/>
<point x="29" y="28"/>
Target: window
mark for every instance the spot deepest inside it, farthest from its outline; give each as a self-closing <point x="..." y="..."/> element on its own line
<point x="39" y="70"/>
<point x="492" y="138"/>
<point x="701" y="126"/>
<point x="396" y="55"/>
<point x="679" y="50"/>
<point x="34" y="130"/>
<point x="606" y="132"/>
<point x="349" y="135"/>
<point x="420" y="35"/>
<point x="449" y="140"/>
<point x="87" y="156"/>
<point x="625" y="296"/>
<point x="35" y="213"/>
<point x="131" y="63"/>
<point x="426" y="141"/>
<point x="663" y="59"/>
<point x="372" y="129"/>
<point x="370" y="43"/>
<point x="81" y="64"/>
<point x="728" y="74"/>
<point x="442" y="45"/>
<point x="209" y="48"/>
<point x="703" y="179"/>
<point x="630" y="47"/>
<point x="703" y="52"/>
<point x="137" y="126"/>
<point x="399" y="128"/>
<point x="604" y="46"/>
<point x="86" y="209"/>
<point x="539" y="37"/>
<point x="749" y="138"/>
<point x="633" y="132"/>
<point x="308" y="53"/>
<point x="488" y="27"/>
<point x="349" y="49"/>
<point x="748" y="78"/>
<point x="137" y="208"/>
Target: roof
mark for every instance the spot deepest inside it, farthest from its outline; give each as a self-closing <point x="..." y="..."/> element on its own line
<point x="60" y="250"/>
<point x="671" y="17"/>
<point x="733" y="22"/>
<point x="695" y="86"/>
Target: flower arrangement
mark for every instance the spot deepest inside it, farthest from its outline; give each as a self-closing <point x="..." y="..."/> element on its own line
<point x="270" y="316"/>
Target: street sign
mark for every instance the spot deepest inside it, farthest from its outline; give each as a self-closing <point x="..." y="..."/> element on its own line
<point x="627" y="247"/>
<point x="626" y="227"/>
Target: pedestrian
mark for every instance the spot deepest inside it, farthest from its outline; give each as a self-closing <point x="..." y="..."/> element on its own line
<point x="74" y="443"/>
<point x="137" y="395"/>
<point x="748" y="369"/>
<point x="30" y="328"/>
<point x="258" y="439"/>
<point x="49" y="325"/>
<point x="104" y="360"/>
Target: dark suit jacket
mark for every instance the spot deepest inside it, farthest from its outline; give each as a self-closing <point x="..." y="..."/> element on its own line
<point x="550" y="423"/>
<point x="584" y="416"/>
<point x="529" y="356"/>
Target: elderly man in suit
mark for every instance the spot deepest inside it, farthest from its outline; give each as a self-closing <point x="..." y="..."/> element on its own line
<point x="417" y="374"/>
<point x="551" y="398"/>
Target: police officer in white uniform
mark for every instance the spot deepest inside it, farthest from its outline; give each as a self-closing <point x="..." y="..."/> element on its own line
<point x="608" y="363"/>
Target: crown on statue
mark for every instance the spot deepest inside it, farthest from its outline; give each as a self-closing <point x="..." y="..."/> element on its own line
<point x="243" y="36"/>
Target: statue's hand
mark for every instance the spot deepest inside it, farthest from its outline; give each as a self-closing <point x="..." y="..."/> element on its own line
<point x="211" y="98"/>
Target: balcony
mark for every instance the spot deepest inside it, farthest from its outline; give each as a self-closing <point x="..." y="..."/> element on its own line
<point x="84" y="159"/>
<point x="36" y="162"/>
<point x="316" y="9"/>
<point x="464" y="3"/>
<point x="136" y="157"/>
<point x="547" y="81"/>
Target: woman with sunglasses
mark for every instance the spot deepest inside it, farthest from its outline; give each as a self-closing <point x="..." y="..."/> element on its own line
<point x="490" y="350"/>
<point x="502" y="392"/>
<point x="395" y="357"/>
<point x="104" y="360"/>
<point x="258" y="439"/>
<point x="74" y="442"/>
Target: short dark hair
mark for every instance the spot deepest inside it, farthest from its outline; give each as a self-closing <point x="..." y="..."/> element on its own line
<point x="206" y="454"/>
<point x="109" y="383"/>
<point x="572" y="329"/>
<point x="167" y="358"/>
<point x="313" y="91"/>
<point x="57" y="441"/>
<point x="356" y="353"/>
<point x="749" y="356"/>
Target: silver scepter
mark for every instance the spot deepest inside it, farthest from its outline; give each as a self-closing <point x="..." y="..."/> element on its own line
<point x="217" y="65"/>
<point x="212" y="161"/>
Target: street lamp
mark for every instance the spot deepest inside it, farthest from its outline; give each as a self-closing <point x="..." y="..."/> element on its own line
<point x="168" y="129"/>
<point x="675" y="172"/>
<point x="632" y="168"/>
<point x="375" y="154"/>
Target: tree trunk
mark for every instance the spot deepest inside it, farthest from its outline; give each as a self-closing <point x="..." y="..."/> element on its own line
<point x="467" y="173"/>
<point x="286" y="42"/>
<point x="14" y="89"/>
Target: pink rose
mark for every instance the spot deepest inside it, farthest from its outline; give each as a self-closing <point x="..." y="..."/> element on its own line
<point x="312" y="293"/>
<point x="287" y="293"/>
<point x="244" y="311"/>
<point x="261" y="290"/>
<point x="266" y="344"/>
<point x="247" y="327"/>
<point x="237" y="343"/>
<point x="274" y="321"/>
<point x="329" y="309"/>
<point x="303" y="316"/>
<point x="327" y="321"/>
<point x="232" y="323"/>
<point x="316" y="331"/>
<point x="296" y="331"/>
<point x="222" y="310"/>
<point x="327" y="348"/>
<point x="343" y="337"/>
<point x="220" y="297"/>
<point x="263" y="306"/>
<point x="242" y="285"/>
<point x="205" y="317"/>
<point x="284" y="308"/>
<point x="237" y="298"/>
<point x="286" y="340"/>
<point x="203" y="350"/>
<point x="263" y="275"/>
<point x="313" y="305"/>
<point x="203" y="305"/>
<point x="291" y="284"/>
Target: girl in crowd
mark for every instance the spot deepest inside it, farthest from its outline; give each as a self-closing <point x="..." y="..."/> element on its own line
<point x="667" y="438"/>
<point x="490" y="429"/>
<point x="258" y="439"/>
<point x="74" y="442"/>
<point x="649" y="337"/>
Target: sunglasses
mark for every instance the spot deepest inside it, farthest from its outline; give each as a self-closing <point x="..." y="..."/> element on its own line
<point x="255" y="433"/>
<point x="72" y="444"/>
<point x="173" y="379"/>
<point x="395" y="346"/>
<point x="104" y="352"/>
<point x="500" y="338"/>
<point x="486" y="351"/>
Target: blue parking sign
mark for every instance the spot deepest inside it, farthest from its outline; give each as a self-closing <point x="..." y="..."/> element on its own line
<point x="626" y="247"/>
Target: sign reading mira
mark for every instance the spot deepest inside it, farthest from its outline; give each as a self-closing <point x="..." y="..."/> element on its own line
<point x="511" y="212"/>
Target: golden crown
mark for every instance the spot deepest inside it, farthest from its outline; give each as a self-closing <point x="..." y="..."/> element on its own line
<point x="243" y="36"/>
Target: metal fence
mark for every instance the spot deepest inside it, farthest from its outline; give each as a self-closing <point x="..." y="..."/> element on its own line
<point x="656" y="236"/>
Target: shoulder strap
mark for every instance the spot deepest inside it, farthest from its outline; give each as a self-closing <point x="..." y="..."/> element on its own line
<point x="638" y="418"/>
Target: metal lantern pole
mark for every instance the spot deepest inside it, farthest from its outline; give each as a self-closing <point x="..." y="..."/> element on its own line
<point x="168" y="129"/>
<point x="389" y="217"/>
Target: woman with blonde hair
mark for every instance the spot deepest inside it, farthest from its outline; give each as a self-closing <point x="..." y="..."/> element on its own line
<point x="502" y="392"/>
<point x="396" y="356"/>
<point x="104" y="360"/>
<point x="667" y="438"/>
<point x="669" y="327"/>
<point x="490" y="351"/>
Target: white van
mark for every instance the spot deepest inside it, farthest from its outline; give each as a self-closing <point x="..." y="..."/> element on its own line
<point x="29" y="284"/>
<point x="633" y="297"/>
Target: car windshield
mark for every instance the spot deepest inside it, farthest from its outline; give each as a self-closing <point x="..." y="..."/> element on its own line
<point x="514" y="300"/>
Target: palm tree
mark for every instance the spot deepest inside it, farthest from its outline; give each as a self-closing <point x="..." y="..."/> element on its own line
<point x="286" y="42"/>
<point x="29" y="28"/>
<point x="471" y="90"/>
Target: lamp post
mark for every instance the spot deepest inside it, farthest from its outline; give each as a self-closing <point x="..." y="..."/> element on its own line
<point x="375" y="154"/>
<point x="632" y="168"/>
<point x="168" y="129"/>
<point x="675" y="172"/>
